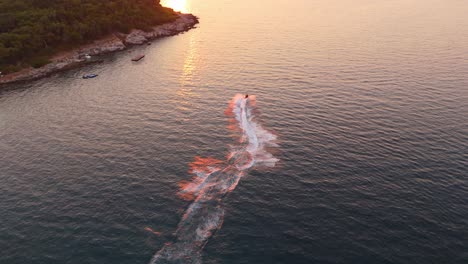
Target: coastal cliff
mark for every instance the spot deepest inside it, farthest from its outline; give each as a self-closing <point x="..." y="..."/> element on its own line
<point x="112" y="43"/>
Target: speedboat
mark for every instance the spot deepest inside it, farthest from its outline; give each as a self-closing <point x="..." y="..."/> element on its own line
<point x="139" y="57"/>
<point x="89" y="76"/>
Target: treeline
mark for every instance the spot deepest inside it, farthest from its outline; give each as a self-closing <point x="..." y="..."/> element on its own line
<point x="32" y="30"/>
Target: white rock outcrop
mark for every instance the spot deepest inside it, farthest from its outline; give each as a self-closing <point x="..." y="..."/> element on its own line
<point x="136" y="37"/>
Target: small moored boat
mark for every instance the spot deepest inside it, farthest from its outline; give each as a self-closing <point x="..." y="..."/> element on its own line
<point x="89" y="76"/>
<point x="139" y="57"/>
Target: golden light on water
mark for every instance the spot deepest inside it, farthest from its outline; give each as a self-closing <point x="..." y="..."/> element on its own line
<point x="177" y="5"/>
<point x="186" y="91"/>
<point x="190" y="63"/>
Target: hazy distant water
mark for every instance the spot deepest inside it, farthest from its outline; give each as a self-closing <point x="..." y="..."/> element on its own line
<point x="369" y="100"/>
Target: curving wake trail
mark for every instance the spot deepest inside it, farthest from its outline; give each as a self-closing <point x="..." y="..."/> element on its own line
<point x="213" y="179"/>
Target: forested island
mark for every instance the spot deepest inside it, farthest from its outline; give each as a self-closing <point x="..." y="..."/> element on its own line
<point x="31" y="31"/>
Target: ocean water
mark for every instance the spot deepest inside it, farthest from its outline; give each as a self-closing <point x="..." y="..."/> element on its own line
<point x="351" y="148"/>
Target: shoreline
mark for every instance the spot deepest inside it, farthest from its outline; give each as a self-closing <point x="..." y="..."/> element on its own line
<point x="115" y="42"/>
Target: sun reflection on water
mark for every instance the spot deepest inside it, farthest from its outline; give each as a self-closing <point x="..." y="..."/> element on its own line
<point x="177" y="5"/>
<point x="190" y="62"/>
<point x="186" y="91"/>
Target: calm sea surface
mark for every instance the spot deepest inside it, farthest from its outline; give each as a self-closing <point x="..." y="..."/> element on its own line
<point x="369" y="100"/>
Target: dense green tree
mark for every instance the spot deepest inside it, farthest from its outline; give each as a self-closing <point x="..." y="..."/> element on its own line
<point x="31" y="30"/>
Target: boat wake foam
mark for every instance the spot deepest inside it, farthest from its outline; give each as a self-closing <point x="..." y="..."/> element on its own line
<point x="213" y="179"/>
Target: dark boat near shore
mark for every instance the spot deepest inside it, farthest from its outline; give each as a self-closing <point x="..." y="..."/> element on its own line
<point x="139" y="57"/>
<point x="89" y="76"/>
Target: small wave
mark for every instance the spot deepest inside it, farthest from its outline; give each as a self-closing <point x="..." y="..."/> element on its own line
<point x="213" y="179"/>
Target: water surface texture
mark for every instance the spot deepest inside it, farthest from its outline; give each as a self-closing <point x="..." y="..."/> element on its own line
<point x="367" y="101"/>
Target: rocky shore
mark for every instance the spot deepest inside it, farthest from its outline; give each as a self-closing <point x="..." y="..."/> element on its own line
<point x="116" y="42"/>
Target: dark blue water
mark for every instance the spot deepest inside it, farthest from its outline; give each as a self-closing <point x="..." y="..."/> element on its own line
<point x="369" y="100"/>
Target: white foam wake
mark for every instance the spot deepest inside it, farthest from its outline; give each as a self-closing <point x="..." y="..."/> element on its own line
<point x="213" y="179"/>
